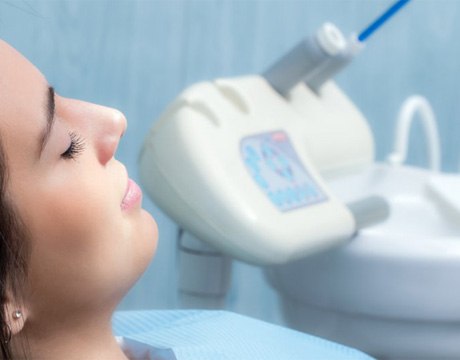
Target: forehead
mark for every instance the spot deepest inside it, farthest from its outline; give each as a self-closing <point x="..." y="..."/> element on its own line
<point x="18" y="77"/>
<point x="22" y="99"/>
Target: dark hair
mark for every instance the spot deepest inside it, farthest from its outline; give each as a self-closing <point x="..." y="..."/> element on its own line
<point x="13" y="256"/>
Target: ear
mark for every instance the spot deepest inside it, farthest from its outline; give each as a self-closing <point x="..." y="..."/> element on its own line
<point x="15" y="315"/>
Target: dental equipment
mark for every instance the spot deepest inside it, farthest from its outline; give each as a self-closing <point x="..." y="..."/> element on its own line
<point x="411" y="106"/>
<point x="317" y="59"/>
<point x="241" y="167"/>
<point x="389" y="291"/>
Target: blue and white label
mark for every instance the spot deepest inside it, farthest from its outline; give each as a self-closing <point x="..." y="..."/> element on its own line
<point x="275" y="167"/>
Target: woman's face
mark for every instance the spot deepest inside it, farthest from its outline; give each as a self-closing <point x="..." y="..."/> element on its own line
<point x="89" y="238"/>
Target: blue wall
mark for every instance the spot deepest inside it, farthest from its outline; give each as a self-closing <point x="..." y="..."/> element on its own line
<point x="137" y="55"/>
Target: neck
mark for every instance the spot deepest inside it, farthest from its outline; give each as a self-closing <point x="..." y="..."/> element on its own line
<point x="73" y="339"/>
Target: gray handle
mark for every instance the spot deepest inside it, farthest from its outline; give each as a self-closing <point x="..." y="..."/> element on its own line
<point x="310" y="59"/>
<point x="295" y="65"/>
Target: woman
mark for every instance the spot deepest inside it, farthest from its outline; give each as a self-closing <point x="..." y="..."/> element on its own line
<point x="74" y="238"/>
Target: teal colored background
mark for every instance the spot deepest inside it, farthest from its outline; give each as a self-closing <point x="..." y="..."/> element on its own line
<point x="138" y="55"/>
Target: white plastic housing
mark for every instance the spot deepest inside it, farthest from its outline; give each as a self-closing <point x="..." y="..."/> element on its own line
<point x="336" y="135"/>
<point x="192" y="168"/>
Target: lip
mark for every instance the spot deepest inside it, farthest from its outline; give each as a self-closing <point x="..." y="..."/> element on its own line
<point x="133" y="196"/>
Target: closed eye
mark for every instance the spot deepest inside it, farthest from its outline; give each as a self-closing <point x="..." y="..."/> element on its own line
<point x="76" y="147"/>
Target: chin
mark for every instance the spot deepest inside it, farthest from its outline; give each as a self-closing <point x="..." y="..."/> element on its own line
<point x="148" y="238"/>
<point x="144" y="239"/>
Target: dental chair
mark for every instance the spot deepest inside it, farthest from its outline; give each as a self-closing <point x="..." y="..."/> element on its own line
<point x="278" y="170"/>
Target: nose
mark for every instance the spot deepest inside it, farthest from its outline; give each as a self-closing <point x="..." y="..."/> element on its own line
<point x="102" y="126"/>
<point x="111" y="129"/>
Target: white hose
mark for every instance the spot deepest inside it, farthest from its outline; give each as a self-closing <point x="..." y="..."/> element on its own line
<point x="412" y="105"/>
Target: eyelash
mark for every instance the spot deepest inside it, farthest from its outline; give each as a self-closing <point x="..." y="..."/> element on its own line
<point x="77" y="145"/>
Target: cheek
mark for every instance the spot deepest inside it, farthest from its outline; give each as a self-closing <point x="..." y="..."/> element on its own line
<point x="84" y="248"/>
<point x="80" y="246"/>
<point x="69" y="216"/>
<point x="74" y="221"/>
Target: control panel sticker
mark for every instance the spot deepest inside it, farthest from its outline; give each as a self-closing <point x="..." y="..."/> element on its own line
<point x="276" y="168"/>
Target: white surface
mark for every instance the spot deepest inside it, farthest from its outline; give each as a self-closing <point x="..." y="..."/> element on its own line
<point x="392" y="276"/>
<point x="192" y="168"/>
<point x="335" y="133"/>
<point x="446" y="190"/>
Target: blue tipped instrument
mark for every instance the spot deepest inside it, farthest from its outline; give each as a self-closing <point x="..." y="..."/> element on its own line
<point x="318" y="58"/>
<point x="381" y="20"/>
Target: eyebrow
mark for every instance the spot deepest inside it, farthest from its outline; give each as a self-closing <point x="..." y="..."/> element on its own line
<point x="49" y="111"/>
